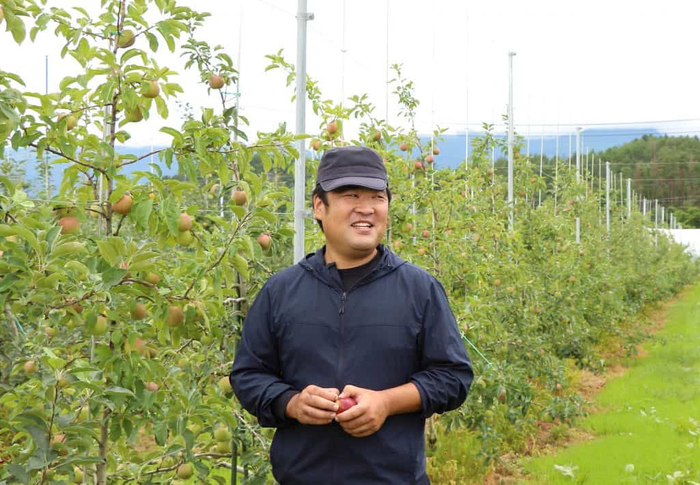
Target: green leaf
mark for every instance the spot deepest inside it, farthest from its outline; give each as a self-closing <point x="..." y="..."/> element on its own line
<point x="8" y="282"/>
<point x="7" y="183"/>
<point x="238" y="210"/>
<point x="15" y="26"/>
<point x="68" y="248"/>
<point x="39" y="437"/>
<point x="162" y="107"/>
<point x="267" y="215"/>
<point x="119" y="391"/>
<point x="142" y="213"/>
<point x="172" y="132"/>
<point x="224" y="172"/>
<point x="171" y="213"/>
<point x="112" y="277"/>
<point x="108" y="252"/>
<point x="18" y="472"/>
<point x="241" y="265"/>
<point x="22" y="232"/>
<point x="160" y="430"/>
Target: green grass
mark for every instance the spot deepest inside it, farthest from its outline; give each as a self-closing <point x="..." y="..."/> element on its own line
<point x="455" y="459"/>
<point x="650" y="416"/>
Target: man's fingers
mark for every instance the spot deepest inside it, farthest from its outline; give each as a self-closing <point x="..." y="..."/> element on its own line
<point x="352" y="413"/>
<point x="312" y="415"/>
<point x="356" y="423"/>
<point x="330" y="394"/>
<point x="349" y="391"/>
<point x="363" y="433"/>
<point x="318" y="414"/>
<point x="359" y="429"/>
<point x="321" y="403"/>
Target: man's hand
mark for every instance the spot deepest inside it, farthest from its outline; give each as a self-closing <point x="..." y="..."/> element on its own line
<point x="313" y="405"/>
<point x="367" y="416"/>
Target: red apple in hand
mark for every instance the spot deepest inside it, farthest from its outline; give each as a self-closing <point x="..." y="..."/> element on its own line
<point x="345" y="403"/>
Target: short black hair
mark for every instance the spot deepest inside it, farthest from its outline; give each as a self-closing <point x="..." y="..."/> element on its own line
<point x="323" y="195"/>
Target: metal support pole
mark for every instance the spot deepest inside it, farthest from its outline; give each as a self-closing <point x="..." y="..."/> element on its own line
<point x="300" y="166"/>
<point x="578" y="230"/>
<point x="578" y="153"/>
<point x="629" y="198"/>
<point x="607" y="197"/>
<point x="511" y="138"/>
<point x="656" y="223"/>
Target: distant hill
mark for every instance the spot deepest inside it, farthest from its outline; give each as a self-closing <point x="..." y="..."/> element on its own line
<point x="34" y="172"/>
<point x="452" y="150"/>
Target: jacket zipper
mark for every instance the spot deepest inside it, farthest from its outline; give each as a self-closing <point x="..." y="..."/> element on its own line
<point x="343" y="299"/>
<point x="341" y="312"/>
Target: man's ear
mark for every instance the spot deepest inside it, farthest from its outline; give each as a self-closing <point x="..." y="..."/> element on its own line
<point x="317" y="203"/>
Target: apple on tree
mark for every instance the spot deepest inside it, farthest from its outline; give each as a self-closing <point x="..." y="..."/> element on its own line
<point x="100" y="327"/>
<point x="185" y="238"/>
<point x="239" y="197"/>
<point x="152" y="278"/>
<point x="29" y="367"/>
<point x="71" y="121"/>
<point x="69" y="224"/>
<point x="184" y="223"/>
<point x="123" y="205"/>
<point x="126" y="39"/>
<point x="265" y="241"/>
<point x="225" y="385"/>
<point x="216" y="81"/>
<point x="175" y="316"/>
<point x="185" y="471"/>
<point x="150" y="89"/>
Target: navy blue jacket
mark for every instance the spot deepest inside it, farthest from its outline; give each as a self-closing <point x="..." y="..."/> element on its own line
<point x="393" y="327"/>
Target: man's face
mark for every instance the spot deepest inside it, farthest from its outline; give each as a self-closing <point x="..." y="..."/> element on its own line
<point x="355" y="219"/>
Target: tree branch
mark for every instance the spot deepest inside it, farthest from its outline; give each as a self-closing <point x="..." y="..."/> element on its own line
<point x="124" y="164"/>
<point x="71" y="159"/>
<point x="223" y="253"/>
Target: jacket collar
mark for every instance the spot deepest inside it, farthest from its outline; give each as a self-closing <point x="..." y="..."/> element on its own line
<point x="315" y="262"/>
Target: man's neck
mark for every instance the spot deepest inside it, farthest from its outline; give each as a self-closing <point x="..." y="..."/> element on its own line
<point x="344" y="262"/>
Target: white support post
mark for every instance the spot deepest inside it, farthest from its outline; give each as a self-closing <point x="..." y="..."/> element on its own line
<point x="466" y="149"/>
<point x="578" y="230"/>
<point x="511" y="139"/>
<point x="300" y="166"/>
<point x="607" y="197"/>
<point x="629" y="198"/>
<point x="578" y="153"/>
<point x="663" y="216"/>
<point x="656" y="223"/>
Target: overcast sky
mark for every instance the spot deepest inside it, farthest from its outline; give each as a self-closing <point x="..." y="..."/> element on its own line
<point x="599" y="61"/>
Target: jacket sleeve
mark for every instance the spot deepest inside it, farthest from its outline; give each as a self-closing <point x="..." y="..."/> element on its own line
<point x="256" y="374"/>
<point x="446" y="371"/>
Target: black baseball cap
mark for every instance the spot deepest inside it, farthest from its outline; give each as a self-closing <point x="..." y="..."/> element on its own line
<point x="352" y="165"/>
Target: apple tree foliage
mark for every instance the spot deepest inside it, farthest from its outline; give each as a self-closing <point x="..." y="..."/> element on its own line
<point x="123" y="298"/>
<point x="118" y="319"/>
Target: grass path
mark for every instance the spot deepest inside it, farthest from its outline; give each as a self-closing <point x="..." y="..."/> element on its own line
<point x="648" y="425"/>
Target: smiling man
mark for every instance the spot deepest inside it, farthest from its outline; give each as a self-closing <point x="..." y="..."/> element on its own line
<point x="352" y="321"/>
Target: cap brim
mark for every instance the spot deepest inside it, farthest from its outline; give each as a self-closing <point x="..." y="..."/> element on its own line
<point x="367" y="182"/>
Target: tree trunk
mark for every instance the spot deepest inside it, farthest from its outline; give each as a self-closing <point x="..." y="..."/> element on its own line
<point x="101" y="474"/>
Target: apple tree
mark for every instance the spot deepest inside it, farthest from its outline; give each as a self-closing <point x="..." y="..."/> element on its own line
<point x="122" y="296"/>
